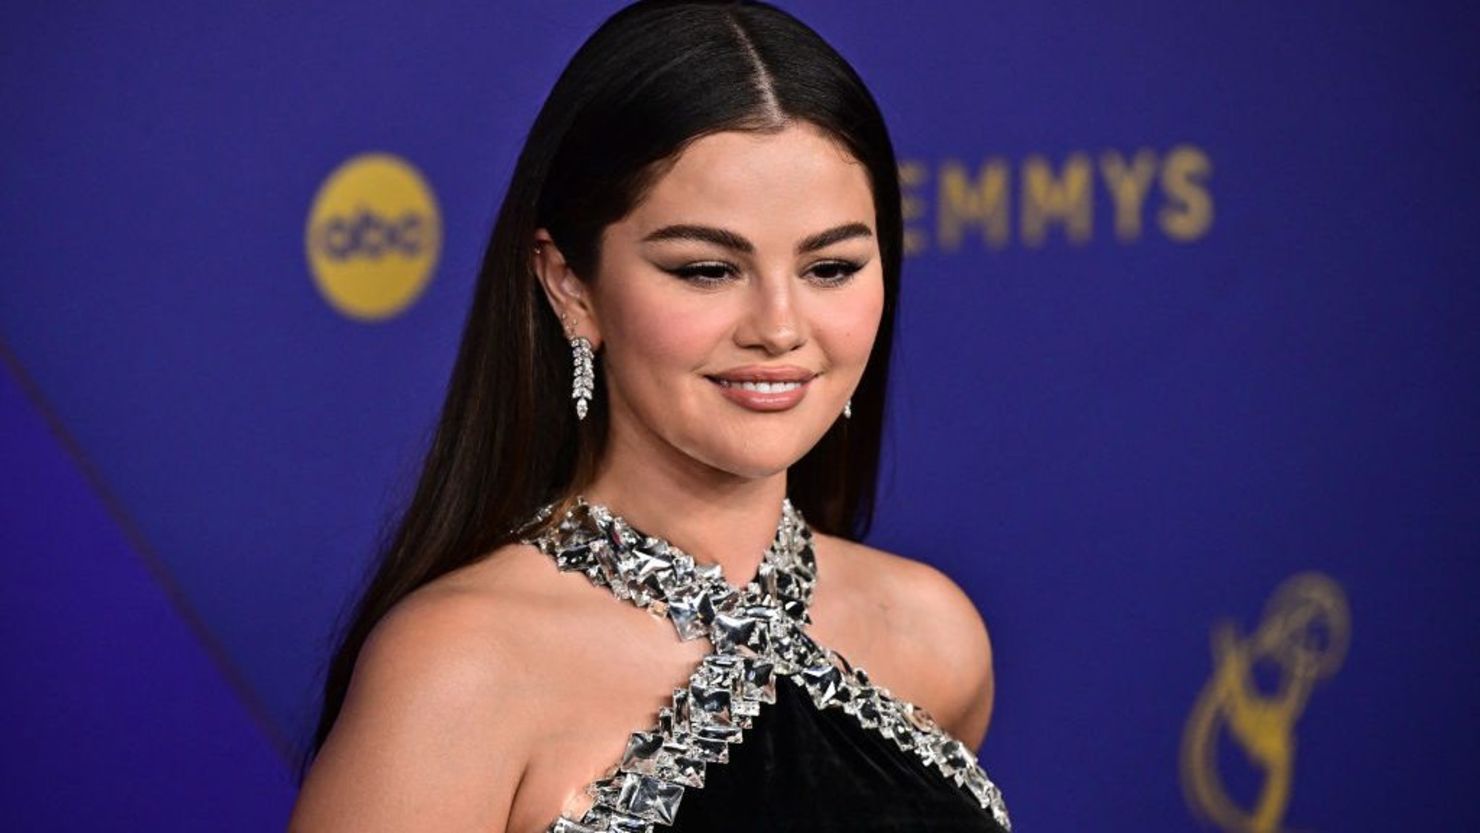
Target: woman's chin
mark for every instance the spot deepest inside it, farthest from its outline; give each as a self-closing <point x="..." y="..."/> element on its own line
<point x="753" y="461"/>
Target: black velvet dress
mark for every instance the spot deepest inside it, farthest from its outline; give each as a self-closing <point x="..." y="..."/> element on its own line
<point x="773" y="732"/>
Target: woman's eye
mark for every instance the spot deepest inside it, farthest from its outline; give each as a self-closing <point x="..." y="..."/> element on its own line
<point x="836" y="271"/>
<point x="703" y="272"/>
<point x="826" y="272"/>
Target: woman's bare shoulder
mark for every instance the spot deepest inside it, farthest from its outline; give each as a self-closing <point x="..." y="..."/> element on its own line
<point x="934" y="638"/>
<point x="466" y="630"/>
<point x="437" y="723"/>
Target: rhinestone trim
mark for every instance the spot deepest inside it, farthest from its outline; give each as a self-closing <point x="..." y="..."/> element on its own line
<point x="755" y="634"/>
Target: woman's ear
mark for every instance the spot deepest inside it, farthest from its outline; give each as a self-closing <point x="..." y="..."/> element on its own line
<point x="567" y="293"/>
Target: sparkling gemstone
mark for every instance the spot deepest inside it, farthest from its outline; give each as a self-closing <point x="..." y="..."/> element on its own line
<point x="650" y="799"/>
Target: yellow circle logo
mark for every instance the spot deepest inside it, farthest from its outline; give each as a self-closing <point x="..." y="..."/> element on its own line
<point x="373" y="237"/>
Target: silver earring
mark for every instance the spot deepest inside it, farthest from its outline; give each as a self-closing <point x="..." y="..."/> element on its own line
<point x="848" y="408"/>
<point x="584" y="376"/>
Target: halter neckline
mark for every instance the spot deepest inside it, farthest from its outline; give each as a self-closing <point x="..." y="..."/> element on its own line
<point x="657" y="575"/>
<point x="757" y="633"/>
<point x="773" y="555"/>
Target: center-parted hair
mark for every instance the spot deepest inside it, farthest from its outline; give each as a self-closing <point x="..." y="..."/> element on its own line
<point x="654" y="77"/>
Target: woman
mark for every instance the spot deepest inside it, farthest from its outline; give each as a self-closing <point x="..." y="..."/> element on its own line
<point x="672" y="379"/>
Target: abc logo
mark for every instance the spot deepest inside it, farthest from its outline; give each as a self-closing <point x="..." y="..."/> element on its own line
<point x="373" y="237"/>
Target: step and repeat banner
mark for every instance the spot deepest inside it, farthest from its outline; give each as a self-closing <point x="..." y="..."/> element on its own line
<point x="1187" y="393"/>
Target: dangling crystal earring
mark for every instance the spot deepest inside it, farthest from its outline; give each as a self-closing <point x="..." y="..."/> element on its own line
<point x="848" y="408"/>
<point x="584" y="376"/>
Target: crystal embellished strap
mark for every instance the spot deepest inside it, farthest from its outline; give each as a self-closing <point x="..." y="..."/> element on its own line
<point x="755" y="634"/>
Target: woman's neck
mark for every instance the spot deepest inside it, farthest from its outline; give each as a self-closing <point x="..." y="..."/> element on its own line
<point x="715" y="516"/>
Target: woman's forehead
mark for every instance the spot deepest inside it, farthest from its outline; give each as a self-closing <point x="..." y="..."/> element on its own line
<point x="797" y="177"/>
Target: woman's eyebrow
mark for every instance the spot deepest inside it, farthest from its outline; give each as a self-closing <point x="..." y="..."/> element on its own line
<point x="833" y="235"/>
<point x="731" y="240"/>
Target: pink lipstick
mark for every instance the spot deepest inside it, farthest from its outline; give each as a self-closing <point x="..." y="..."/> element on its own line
<point x="762" y="388"/>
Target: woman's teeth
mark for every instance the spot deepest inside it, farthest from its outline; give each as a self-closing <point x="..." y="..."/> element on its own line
<point x="762" y="387"/>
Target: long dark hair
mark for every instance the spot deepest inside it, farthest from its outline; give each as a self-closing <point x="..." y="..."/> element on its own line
<point x="654" y="77"/>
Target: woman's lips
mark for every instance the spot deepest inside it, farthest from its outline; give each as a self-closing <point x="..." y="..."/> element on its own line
<point x="762" y="396"/>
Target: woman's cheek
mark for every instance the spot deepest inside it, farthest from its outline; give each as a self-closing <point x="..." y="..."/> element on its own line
<point x="667" y="335"/>
<point x="852" y="324"/>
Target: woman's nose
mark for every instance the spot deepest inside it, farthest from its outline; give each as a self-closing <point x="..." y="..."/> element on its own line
<point x="772" y="319"/>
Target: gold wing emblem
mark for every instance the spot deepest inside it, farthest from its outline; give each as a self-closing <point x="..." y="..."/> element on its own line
<point x="1302" y="639"/>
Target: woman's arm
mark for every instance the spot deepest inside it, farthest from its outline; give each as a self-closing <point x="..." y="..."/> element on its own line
<point x="429" y="738"/>
<point x="953" y="651"/>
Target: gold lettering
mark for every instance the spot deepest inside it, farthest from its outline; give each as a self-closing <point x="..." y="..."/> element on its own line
<point x="912" y="175"/>
<point x="1067" y="198"/>
<point x="1128" y="185"/>
<point x="1189" y="209"/>
<point x="983" y="203"/>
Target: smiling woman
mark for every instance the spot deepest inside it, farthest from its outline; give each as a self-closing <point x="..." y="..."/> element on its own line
<point x="706" y="217"/>
<point x="750" y="270"/>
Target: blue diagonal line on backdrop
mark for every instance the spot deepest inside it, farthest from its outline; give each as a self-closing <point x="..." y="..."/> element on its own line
<point x="153" y="563"/>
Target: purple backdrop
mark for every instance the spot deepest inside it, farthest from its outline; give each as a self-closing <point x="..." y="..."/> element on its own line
<point x="1190" y="311"/>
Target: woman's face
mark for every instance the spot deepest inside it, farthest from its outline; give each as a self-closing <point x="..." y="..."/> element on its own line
<point x="753" y="257"/>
